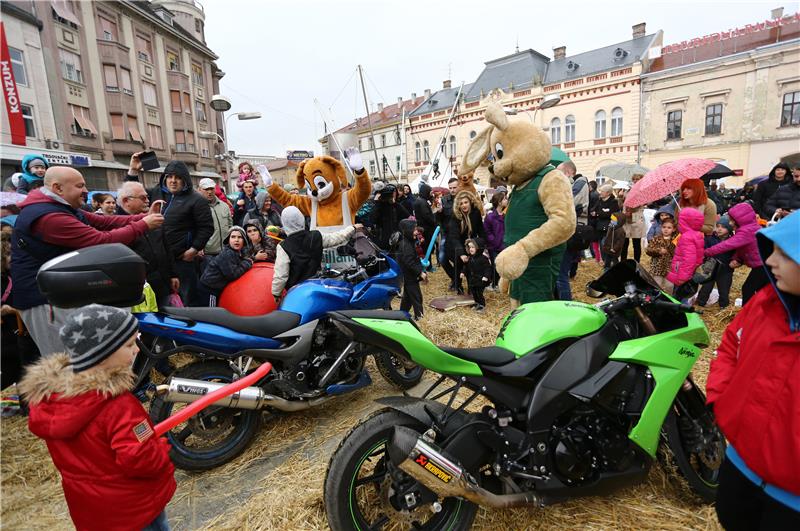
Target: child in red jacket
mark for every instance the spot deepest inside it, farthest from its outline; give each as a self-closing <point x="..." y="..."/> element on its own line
<point x="115" y="473"/>
<point x="754" y="386"/>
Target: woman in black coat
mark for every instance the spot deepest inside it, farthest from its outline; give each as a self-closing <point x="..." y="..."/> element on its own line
<point x="466" y="223"/>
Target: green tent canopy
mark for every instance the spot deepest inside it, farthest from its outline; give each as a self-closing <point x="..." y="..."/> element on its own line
<point x="557" y="156"/>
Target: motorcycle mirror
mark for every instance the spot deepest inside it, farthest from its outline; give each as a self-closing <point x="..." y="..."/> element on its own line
<point x="591" y="292"/>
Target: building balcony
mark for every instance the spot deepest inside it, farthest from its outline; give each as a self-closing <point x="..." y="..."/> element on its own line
<point x="114" y="52"/>
<point x="126" y="147"/>
<point x="178" y="81"/>
<point x="188" y="157"/>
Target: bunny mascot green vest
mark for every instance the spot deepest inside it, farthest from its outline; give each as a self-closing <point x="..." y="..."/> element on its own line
<point x="540" y="217"/>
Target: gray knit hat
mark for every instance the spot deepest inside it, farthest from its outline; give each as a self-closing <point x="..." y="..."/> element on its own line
<point x="93" y="333"/>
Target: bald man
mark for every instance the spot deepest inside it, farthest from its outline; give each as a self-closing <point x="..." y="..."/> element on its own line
<point x="49" y="225"/>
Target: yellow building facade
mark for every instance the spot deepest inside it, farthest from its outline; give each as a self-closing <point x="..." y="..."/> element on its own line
<point x="742" y="110"/>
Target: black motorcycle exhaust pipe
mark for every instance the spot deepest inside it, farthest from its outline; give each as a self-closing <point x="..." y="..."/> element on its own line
<point x="434" y="469"/>
<point x="185" y="390"/>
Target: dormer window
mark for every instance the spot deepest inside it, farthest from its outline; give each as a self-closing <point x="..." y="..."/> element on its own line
<point x="620" y="54"/>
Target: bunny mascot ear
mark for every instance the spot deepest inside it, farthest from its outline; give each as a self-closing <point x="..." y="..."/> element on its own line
<point x="496" y="116"/>
<point x="477" y="151"/>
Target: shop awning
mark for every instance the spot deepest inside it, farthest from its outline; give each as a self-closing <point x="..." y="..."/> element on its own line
<point x="64" y="11"/>
<point x="209" y="174"/>
<point x="85" y="123"/>
<point x="14" y="153"/>
<point x="110" y="164"/>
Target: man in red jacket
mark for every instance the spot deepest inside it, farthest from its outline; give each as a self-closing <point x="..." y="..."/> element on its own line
<point x="754" y="386"/>
<point x="50" y="224"/>
<point x="115" y="472"/>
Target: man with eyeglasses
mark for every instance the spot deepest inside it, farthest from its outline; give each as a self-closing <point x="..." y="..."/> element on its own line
<point x="132" y="199"/>
<point x="187" y="220"/>
<point x="50" y="224"/>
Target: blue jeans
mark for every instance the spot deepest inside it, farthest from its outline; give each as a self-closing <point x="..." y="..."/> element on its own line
<point x="562" y="282"/>
<point x="159" y="524"/>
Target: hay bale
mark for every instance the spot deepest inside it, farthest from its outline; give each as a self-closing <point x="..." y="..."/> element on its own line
<point x="289" y="495"/>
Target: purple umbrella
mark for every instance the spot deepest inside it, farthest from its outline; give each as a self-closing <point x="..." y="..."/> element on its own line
<point x="756" y="180"/>
<point x="10" y="198"/>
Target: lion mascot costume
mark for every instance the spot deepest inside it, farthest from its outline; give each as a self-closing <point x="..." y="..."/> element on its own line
<point x="326" y="203"/>
<point x="540" y="217"/>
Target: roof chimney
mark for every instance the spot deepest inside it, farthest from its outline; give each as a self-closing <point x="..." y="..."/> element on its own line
<point x="639" y="30"/>
<point x="777" y="12"/>
<point x="446" y="83"/>
<point x="400" y="101"/>
<point x="560" y="52"/>
<point x="427" y="93"/>
<point x="413" y="96"/>
<point x="380" y="107"/>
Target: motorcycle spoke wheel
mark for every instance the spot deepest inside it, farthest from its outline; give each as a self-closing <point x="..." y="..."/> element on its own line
<point x="213" y="436"/>
<point x="697" y="454"/>
<point x="370" y="494"/>
<point x="363" y="490"/>
<point x="404" y="374"/>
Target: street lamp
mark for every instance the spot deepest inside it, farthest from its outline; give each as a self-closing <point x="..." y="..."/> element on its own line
<point x="222" y="104"/>
<point x="551" y="100"/>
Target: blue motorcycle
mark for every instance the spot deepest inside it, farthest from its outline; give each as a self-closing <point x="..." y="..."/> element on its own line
<point x="313" y="359"/>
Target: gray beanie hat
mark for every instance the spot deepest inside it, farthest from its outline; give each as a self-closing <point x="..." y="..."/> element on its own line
<point x="93" y="333"/>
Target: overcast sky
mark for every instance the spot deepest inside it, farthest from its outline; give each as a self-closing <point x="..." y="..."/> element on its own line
<point x="279" y="56"/>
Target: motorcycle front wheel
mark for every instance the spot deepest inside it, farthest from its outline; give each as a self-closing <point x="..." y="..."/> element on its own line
<point x="359" y="486"/>
<point x="401" y="373"/>
<point x="215" y="435"/>
<point x="698" y="448"/>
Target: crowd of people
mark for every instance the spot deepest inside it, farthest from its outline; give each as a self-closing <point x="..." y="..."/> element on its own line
<point x="196" y="242"/>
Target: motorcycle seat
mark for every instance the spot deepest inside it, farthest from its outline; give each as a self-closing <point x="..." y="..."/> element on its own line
<point x="269" y="325"/>
<point x="392" y="315"/>
<point x="482" y="355"/>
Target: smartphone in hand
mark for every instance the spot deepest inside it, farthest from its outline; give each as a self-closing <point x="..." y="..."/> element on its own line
<point x="149" y="160"/>
<point x="157" y="205"/>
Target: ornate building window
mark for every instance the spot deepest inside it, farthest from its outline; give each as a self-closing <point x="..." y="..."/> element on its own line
<point x="674" y="123"/>
<point x="714" y="119"/>
<point x="555" y="131"/>
<point x="616" y="121"/>
<point x="569" y="129"/>
<point x="600" y="124"/>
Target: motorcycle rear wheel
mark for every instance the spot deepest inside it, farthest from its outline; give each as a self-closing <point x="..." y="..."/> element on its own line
<point x="397" y="371"/>
<point x="357" y="483"/>
<point x="214" y="436"/>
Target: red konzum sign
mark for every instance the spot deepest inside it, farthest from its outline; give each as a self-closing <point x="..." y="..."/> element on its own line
<point x="15" y="121"/>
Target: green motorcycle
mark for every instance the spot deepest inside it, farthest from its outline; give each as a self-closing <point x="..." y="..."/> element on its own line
<point x="572" y="400"/>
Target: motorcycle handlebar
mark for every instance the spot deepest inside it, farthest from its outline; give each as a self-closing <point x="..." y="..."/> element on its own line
<point x="673" y="306"/>
<point x="635" y="301"/>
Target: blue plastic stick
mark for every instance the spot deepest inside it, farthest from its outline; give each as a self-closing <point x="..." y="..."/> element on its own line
<point x="426" y="262"/>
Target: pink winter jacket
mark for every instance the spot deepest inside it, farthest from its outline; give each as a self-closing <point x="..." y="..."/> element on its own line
<point x="744" y="239"/>
<point x="689" y="251"/>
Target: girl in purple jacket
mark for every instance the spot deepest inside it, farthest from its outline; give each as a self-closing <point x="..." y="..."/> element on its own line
<point x="743" y="243"/>
<point x="495" y="228"/>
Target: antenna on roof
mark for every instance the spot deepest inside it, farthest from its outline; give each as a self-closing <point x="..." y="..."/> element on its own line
<point x="517" y="49"/>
